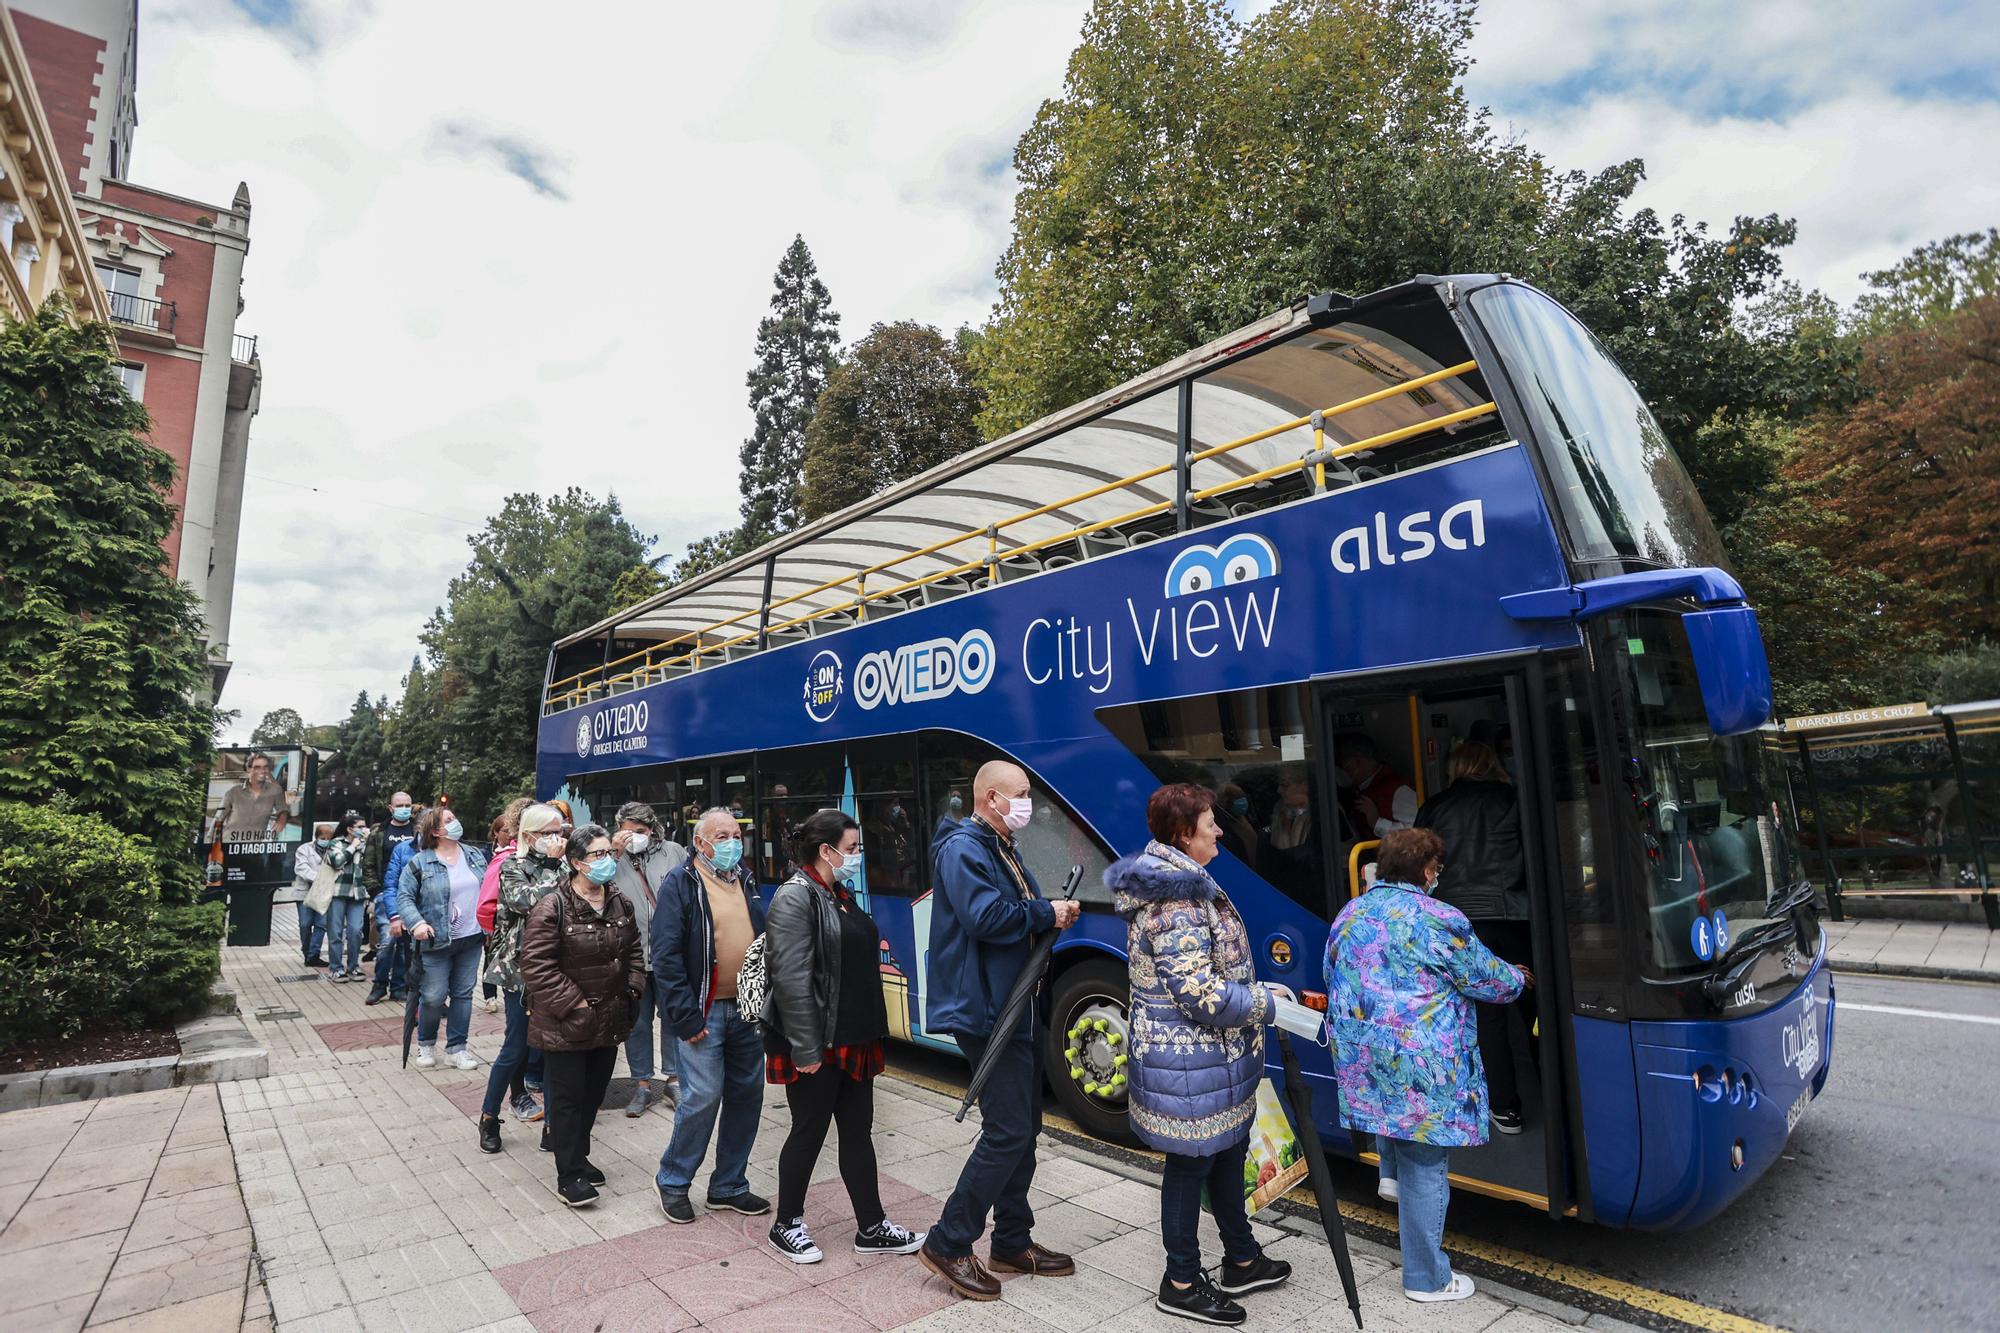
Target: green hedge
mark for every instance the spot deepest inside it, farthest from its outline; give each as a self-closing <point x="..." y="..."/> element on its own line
<point x="86" y="940"/>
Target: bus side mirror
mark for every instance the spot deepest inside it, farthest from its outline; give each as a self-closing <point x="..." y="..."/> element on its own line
<point x="1729" y="662"/>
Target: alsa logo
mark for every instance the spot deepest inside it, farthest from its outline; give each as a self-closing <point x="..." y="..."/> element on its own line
<point x="1244" y="558"/>
<point x="1459" y="528"/>
<point x="934" y="669"/>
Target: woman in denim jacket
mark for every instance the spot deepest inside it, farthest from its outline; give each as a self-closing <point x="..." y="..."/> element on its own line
<point x="437" y="897"/>
<point x="1402" y="971"/>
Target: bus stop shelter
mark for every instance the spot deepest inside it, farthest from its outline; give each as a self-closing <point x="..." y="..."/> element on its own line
<point x="1899" y="801"/>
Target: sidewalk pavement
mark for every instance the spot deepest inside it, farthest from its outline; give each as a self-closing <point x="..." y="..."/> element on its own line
<point x="1959" y="950"/>
<point x="369" y="1206"/>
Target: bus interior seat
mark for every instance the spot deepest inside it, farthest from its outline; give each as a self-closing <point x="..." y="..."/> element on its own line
<point x="1012" y="567"/>
<point x="1109" y="541"/>
<point x="943" y="590"/>
<point x="830" y="624"/>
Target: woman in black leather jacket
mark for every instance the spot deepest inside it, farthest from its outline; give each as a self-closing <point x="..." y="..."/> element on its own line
<point x="1485" y="877"/>
<point x="825" y="1024"/>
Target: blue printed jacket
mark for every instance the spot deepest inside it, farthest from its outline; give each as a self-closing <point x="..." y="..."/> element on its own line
<point x="1402" y="971"/>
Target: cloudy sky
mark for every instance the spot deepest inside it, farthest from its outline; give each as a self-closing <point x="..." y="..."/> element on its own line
<point x="494" y="249"/>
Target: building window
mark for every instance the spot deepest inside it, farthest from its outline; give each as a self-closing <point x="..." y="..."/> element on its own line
<point x="122" y="286"/>
<point x="133" y="377"/>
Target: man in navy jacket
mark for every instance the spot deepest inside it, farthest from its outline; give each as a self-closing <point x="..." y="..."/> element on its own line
<point x="985" y="910"/>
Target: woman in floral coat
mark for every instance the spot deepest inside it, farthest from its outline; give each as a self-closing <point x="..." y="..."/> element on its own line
<point x="1402" y="971"/>
<point x="1197" y="1050"/>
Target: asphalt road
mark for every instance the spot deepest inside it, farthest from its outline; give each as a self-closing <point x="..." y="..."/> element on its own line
<point x="1884" y="1214"/>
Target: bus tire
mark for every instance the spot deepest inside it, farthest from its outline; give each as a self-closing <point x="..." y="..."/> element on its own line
<point x="1094" y="991"/>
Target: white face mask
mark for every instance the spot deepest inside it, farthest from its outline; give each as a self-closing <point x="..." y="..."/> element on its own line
<point x="550" y="845"/>
<point x="638" y="843"/>
<point x="1020" y="809"/>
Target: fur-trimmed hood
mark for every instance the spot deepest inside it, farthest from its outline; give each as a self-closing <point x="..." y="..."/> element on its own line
<point x="1158" y="874"/>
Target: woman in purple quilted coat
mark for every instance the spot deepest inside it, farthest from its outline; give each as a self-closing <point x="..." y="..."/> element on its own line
<point x="1402" y="971"/>
<point x="1197" y="1050"/>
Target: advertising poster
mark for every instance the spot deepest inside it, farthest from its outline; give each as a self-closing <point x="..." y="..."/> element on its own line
<point x="259" y="810"/>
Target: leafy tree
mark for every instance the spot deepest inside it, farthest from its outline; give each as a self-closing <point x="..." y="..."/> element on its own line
<point x="104" y="685"/>
<point x="795" y="354"/>
<point x="280" y="726"/>
<point x="541" y="568"/>
<point x="710" y="552"/>
<point x="1971" y="675"/>
<point x="1930" y="282"/>
<point x="902" y="401"/>
<point x="635" y="585"/>
<point x="353" y="778"/>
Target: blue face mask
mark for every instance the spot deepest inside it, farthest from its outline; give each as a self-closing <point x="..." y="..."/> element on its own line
<point x="322" y="843"/>
<point x="401" y="814"/>
<point x="849" y="867"/>
<point x="454" y="830"/>
<point x="1240" y="806"/>
<point x="603" y="870"/>
<point x="727" y="855"/>
<point x="956" y="805"/>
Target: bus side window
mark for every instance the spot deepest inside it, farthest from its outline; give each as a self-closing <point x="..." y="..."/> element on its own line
<point x="1053" y="842"/>
<point x="1576" y="772"/>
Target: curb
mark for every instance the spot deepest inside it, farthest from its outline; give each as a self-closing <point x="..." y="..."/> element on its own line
<point x="1916" y="971"/>
<point x="215" y="1048"/>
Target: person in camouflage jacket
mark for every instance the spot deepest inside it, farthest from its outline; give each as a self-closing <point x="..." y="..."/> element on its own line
<point x="533" y="870"/>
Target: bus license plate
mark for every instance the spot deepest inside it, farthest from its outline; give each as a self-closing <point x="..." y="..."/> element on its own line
<point x="1798" y="1110"/>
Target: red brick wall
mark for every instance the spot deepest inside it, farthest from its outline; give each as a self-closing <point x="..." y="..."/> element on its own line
<point x="172" y="384"/>
<point x="162" y="205"/>
<point x="65" y="65"/>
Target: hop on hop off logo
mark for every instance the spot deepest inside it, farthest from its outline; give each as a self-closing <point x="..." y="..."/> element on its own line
<point x="825" y="683"/>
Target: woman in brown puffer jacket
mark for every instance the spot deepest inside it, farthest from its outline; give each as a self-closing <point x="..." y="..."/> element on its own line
<point x="583" y="970"/>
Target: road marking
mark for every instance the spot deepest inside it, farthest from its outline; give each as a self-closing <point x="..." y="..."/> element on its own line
<point x="1846" y="1005"/>
<point x="1661" y="1303"/>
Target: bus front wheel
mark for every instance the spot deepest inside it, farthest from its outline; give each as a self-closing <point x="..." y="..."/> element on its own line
<point x="1088" y="1047"/>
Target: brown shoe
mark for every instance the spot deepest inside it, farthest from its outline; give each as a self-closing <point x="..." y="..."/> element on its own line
<point x="964" y="1275"/>
<point x="1035" y="1259"/>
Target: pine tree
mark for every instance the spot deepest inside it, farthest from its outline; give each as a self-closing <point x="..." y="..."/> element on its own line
<point x="795" y="354"/>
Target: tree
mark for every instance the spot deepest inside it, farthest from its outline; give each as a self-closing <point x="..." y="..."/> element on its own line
<point x="901" y="402"/>
<point x="1198" y="172"/>
<point x="1930" y="282"/>
<point x="795" y="354"/>
<point x="353" y="778"/>
<point x="104" y="682"/>
<point x="280" y="726"/>
<point x="1971" y="675"/>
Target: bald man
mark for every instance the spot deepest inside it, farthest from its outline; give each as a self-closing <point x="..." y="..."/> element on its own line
<point x="985" y="911"/>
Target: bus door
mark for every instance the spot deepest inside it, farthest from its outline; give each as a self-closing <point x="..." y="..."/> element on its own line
<point x="1396" y="744"/>
<point x="711" y="783"/>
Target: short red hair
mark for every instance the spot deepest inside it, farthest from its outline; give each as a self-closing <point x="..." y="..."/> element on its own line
<point x="1174" y="811"/>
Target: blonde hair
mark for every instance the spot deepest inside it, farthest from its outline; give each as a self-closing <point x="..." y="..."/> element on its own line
<point x="1475" y="760"/>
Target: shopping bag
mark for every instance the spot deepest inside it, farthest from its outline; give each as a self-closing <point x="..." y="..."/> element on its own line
<point x="1275" y="1163"/>
<point x="324" y="883"/>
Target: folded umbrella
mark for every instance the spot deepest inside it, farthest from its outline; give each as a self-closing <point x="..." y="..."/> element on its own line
<point x="1300" y="1097"/>
<point x="415" y="982"/>
<point x="1018" y="1001"/>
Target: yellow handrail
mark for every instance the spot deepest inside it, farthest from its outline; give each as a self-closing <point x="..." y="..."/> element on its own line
<point x="600" y="677"/>
<point x="1354" y="865"/>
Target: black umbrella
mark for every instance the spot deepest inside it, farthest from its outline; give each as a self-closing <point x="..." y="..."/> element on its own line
<point x="1018" y="1000"/>
<point x="415" y="981"/>
<point x="1300" y="1096"/>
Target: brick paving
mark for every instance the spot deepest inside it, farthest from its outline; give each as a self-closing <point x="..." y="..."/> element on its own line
<point x="345" y="1193"/>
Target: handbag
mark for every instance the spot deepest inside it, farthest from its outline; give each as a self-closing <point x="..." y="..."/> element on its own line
<point x="753" y="983"/>
<point x="320" y="896"/>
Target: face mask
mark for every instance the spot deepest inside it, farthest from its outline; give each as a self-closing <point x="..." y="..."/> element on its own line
<point x="401" y="814"/>
<point x="322" y="843"/>
<point x="955" y="805"/>
<point x="1240" y="806"/>
<point x="601" y="871"/>
<point x="454" y="830"/>
<point x="849" y="867"/>
<point x="725" y="856"/>
<point x="1020" y="810"/>
<point x="551" y="845"/>
<point x="638" y="843"/>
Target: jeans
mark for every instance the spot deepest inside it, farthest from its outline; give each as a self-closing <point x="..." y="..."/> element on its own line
<point x="1180" y="1209"/>
<point x="312" y="930"/>
<point x="822" y="1098"/>
<point x="1423" y="1191"/>
<point x="1001" y="1166"/>
<point x="452" y="970"/>
<point x="723" y="1072"/>
<point x="577" y="1080"/>
<point x="392" y="961"/>
<point x="343" y="934"/>
<point x="639" y="1046"/>
<point x="510" y="1065"/>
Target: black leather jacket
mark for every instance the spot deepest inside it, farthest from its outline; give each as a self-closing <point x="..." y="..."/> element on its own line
<point x="1485" y="874"/>
<point x="802" y="962"/>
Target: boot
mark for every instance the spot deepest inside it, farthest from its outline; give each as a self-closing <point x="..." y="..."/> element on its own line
<point x="489" y="1133"/>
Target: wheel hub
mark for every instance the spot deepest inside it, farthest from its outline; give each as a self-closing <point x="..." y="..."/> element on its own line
<point x="1099" y="1042"/>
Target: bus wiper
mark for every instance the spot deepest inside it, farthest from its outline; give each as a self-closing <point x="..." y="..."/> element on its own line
<point x="1747" y="947"/>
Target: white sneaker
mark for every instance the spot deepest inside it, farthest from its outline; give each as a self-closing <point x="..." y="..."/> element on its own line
<point x="1388" y="1189"/>
<point x="491" y="1006"/>
<point x="1457" y="1289"/>
<point x="462" y="1060"/>
<point x="426" y="1058"/>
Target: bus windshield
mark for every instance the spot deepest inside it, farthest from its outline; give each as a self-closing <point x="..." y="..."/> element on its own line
<point x="1712" y="809"/>
<point x="1621" y="491"/>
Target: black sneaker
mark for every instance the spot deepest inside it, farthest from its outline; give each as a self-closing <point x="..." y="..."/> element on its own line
<point x="750" y="1205"/>
<point x="591" y="1173"/>
<point x="792" y="1240"/>
<point x="1508" y="1122"/>
<point x="400" y="996"/>
<point x="368" y="956"/>
<point x="548" y="1138"/>
<point x="676" y="1207"/>
<point x="489" y="1133"/>
<point x="1199" y="1300"/>
<point x="1260" y="1274"/>
<point x="577" y="1192"/>
<point x="315" y="961"/>
<point x="885" y="1237"/>
<point x="376" y="997"/>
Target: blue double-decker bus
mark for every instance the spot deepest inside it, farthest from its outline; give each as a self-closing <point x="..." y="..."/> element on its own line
<point x="1347" y="538"/>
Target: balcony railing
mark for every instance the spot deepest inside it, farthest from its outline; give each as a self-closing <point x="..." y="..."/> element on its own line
<point x="143" y="312"/>
<point x="243" y="347"/>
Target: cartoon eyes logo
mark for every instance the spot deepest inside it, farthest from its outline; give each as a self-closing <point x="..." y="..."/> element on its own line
<point x="1244" y="558"/>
